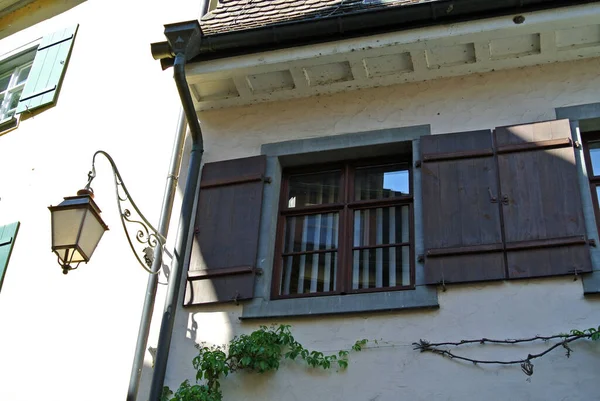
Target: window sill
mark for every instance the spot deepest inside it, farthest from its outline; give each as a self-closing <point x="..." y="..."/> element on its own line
<point x="421" y="297"/>
<point x="8" y="124"/>
<point x="591" y="282"/>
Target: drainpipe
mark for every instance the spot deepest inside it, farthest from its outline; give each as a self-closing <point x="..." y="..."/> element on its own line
<point x="163" y="229"/>
<point x="181" y="38"/>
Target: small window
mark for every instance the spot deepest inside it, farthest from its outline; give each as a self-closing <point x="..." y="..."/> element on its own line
<point x="345" y="228"/>
<point x="30" y="80"/>
<point x="13" y="76"/>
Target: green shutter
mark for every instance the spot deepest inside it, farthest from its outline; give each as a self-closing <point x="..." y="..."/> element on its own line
<point x="8" y="234"/>
<point x="48" y="70"/>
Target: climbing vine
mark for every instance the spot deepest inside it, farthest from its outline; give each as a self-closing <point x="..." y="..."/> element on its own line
<point x="260" y="351"/>
<point x="263" y="350"/>
<point x="563" y="340"/>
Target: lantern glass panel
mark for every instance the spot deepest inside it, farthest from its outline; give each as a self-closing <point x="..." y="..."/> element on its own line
<point x="70" y="255"/>
<point x="91" y="233"/>
<point x="65" y="226"/>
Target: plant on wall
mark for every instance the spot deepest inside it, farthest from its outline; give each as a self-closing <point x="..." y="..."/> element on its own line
<point x="563" y="340"/>
<point x="260" y="351"/>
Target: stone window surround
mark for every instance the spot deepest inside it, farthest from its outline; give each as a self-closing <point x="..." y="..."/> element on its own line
<point x="318" y="150"/>
<point x="585" y="117"/>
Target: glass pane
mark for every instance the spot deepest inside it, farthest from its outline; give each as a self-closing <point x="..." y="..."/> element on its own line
<point x="7" y="115"/>
<point x="309" y="233"/>
<point x="70" y="256"/>
<point x="594" y="148"/>
<point x="91" y="232"/>
<point x="14" y="99"/>
<point x="381" y="267"/>
<point x="65" y="226"/>
<point x="313" y="189"/>
<point x="306" y="274"/>
<point x="4" y="81"/>
<point x="380" y="182"/>
<point x="387" y="225"/>
<point x="23" y="74"/>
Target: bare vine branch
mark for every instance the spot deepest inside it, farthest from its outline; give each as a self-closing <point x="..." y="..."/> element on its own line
<point x="526" y="365"/>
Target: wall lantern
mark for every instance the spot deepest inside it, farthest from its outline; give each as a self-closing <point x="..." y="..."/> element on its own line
<point x="76" y="229"/>
<point x="77" y="226"/>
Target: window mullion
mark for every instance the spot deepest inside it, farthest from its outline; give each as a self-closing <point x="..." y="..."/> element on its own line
<point x="346" y="233"/>
<point x="4" y="105"/>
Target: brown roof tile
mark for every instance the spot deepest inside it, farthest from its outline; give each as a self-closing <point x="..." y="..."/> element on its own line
<point x="237" y="15"/>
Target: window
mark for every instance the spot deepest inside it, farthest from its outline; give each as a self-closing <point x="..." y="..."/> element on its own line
<point x="345" y="228"/>
<point x="13" y="75"/>
<point x="591" y="146"/>
<point x="237" y="243"/>
<point x="31" y="79"/>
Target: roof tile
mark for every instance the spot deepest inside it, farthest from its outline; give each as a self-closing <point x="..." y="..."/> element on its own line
<point x="237" y="15"/>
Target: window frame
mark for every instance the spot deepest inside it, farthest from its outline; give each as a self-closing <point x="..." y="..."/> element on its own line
<point x="12" y="64"/>
<point x="345" y="206"/>
<point x="12" y="87"/>
<point x="323" y="149"/>
<point x="593" y="180"/>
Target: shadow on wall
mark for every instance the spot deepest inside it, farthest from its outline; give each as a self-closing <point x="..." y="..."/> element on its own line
<point x="18" y="15"/>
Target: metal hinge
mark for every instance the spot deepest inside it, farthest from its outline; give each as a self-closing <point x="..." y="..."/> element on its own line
<point x="577" y="145"/>
<point x="421" y="258"/>
<point x="236" y="298"/>
<point x="575" y="273"/>
<point x="418" y="164"/>
<point x="592" y="242"/>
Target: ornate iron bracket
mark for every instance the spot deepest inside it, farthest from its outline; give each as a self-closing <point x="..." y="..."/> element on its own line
<point x="135" y="224"/>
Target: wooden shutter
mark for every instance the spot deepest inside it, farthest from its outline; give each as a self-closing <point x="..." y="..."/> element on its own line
<point x="8" y="234"/>
<point x="461" y="221"/>
<point x="543" y="220"/>
<point x="223" y="260"/>
<point x="47" y="71"/>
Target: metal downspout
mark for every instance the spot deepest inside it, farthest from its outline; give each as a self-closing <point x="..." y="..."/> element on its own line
<point x="183" y="232"/>
<point x="163" y="229"/>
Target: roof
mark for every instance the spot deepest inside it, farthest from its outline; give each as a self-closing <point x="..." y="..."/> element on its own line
<point x="238" y="15"/>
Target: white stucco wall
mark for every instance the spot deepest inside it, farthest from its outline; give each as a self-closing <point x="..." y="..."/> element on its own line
<point x="73" y="337"/>
<point x="498" y="310"/>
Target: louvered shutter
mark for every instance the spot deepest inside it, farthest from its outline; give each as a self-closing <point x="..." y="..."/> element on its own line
<point x="461" y="221"/>
<point x="8" y="234"/>
<point x="47" y="71"/>
<point x="223" y="259"/>
<point x="543" y="221"/>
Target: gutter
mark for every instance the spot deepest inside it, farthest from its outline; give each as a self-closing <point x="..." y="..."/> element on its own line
<point x="351" y="25"/>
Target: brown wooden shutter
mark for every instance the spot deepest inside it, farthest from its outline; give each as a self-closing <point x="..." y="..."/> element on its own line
<point x="461" y="221"/>
<point x="223" y="259"/>
<point x="543" y="221"/>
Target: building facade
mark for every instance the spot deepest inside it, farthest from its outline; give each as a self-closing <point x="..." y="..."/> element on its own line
<point x="433" y="181"/>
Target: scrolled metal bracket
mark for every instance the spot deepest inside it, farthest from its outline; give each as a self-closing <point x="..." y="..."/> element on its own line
<point x="135" y="224"/>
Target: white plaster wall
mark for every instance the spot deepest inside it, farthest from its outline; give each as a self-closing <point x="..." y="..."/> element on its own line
<point x="73" y="337"/>
<point x="498" y="310"/>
